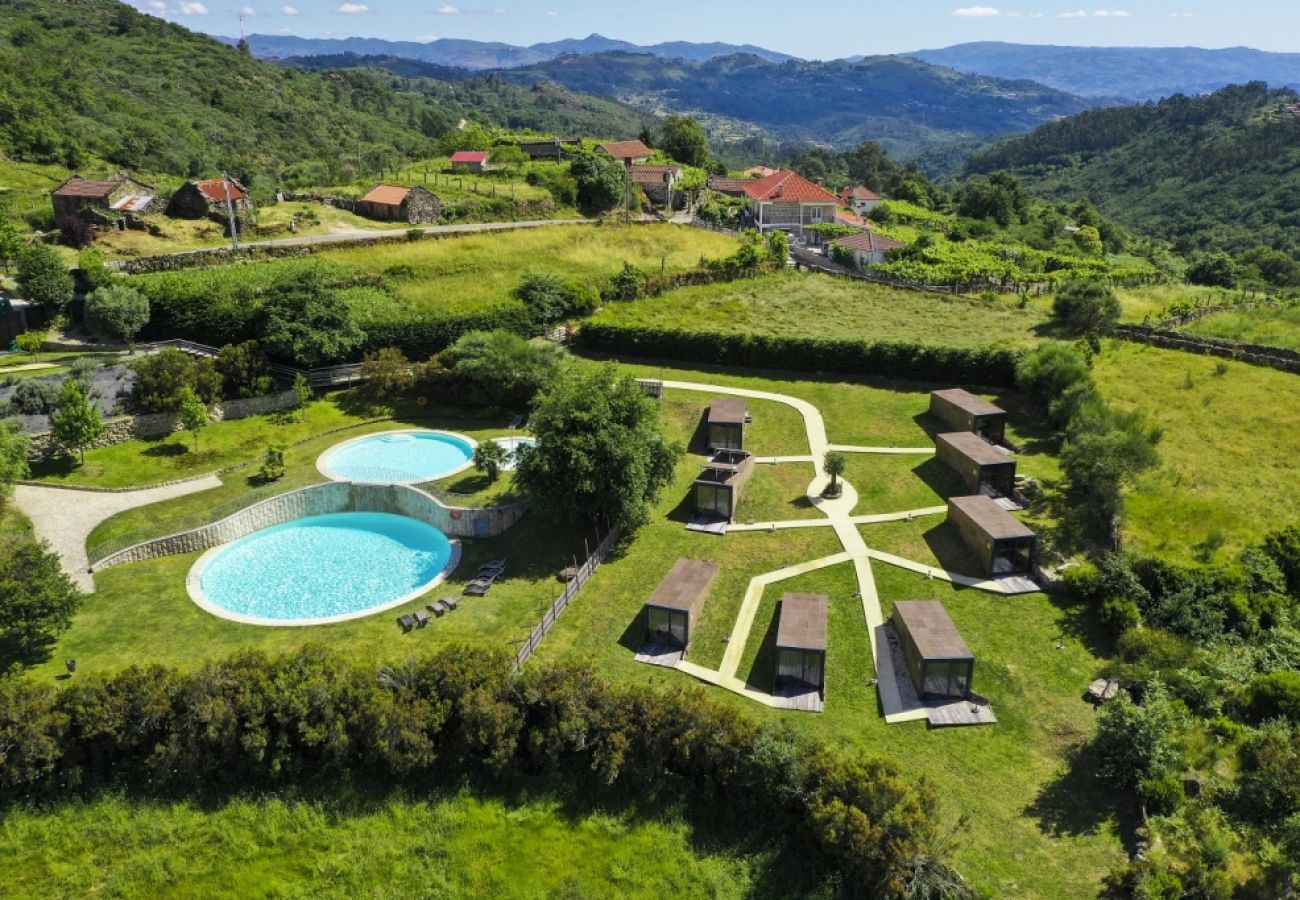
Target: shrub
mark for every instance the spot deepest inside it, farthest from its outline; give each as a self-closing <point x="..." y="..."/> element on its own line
<point x="1274" y="695"/>
<point x="160" y="378"/>
<point x="628" y="284"/>
<point x="1163" y="795"/>
<point x="36" y="396"/>
<point x="1269" y="784"/>
<point x="501" y="367"/>
<point x="545" y="297"/>
<point x="1133" y="743"/>
<point x="117" y="310"/>
<point x="13" y="457"/>
<point x="245" y="370"/>
<point x="305" y="322"/>
<point x="1058" y="377"/>
<point x="31" y="342"/>
<point x="386" y="374"/>
<point x="1284" y="548"/>
<point x="272" y="464"/>
<point x="1086" y="307"/>
<point x="44" y="279"/>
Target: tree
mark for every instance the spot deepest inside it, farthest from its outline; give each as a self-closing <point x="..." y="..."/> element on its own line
<point x="13" y="456"/>
<point x="37" y="602"/>
<point x="1086" y="307"/>
<point x="386" y="374"/>
<point x="306" y="322"/>
<point x="1088" y="239"/>
<point x="1104" y="453"/>
<point x="94" y="274"/>
<point x="245" y="370"/>
<point x="44" y="279"/>
<point x="628" y="284"/>
<point x="31" y="341"/>
<point x="303" y="393"/>
<point x="11" y="240"/>
<point x="1058" y="377"/>
<point x="600" y="451"/>
<point x="1133" y="743"/>
<point x="602" y="181"/>
<point x="685" y="141"/>
<point x="1274" y="695"/>
<point x="834" y="463"/>
<point x="489" y="457"/>
<point x="546" y="298"/>
<point x="76" y="422"/>
<point x="160" y="377"/>
<point x="194" y="413"/>
<point x="117" y="310"/>
<point x="1214" y="270"/>
<point x="501" y="366"/>
<point x="272" y="464"/>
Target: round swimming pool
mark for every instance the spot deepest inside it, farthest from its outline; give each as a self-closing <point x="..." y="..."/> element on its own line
<point x="398" y="457"/>
<point x="512" y="444"/>
<point x="321" y="569"/>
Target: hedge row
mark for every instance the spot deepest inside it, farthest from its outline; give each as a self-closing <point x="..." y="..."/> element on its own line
<point x="895" y="360"/>
<point x="423" y="337"/>
<point x="254" y="722"/>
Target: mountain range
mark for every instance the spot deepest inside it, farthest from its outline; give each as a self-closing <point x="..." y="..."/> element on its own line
<point x="479" y="55"/>
<point x="1135" y="74"/>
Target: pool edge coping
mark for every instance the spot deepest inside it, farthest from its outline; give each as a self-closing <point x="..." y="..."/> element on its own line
<point x="194" y="587"/>
<point x="332" y="476"/>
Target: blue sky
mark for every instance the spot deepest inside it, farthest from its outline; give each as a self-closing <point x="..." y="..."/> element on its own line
<point x="825" y="29"/>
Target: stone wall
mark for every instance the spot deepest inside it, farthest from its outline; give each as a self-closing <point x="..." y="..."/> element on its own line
<point x="324" y="499"/>
<point x="120" y="429"/>
<point x="1274" y="357"/>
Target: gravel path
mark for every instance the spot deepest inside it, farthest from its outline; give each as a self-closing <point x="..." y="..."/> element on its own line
<point x="66" y="516"/>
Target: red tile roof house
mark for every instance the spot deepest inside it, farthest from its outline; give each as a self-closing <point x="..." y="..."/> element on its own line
<point x="868" y="248"/>
<point x="196" y="199"/>
<point x="84" y="198"/>
<point x="860" y="199"/>
<point x="628" y="152"/>
<point x="469" y="160"/>
<point x="789" y="202"/>
<point x="399" y="203"/>
<point x="657" y="182"/>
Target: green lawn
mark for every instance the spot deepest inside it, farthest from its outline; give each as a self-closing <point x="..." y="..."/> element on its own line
<point x="52" y="363"/>
<point x="1270" y="327"/>
<point x="1228" y="466"/>
<point x="460" y="844"/>
<point x="802" y="304"/>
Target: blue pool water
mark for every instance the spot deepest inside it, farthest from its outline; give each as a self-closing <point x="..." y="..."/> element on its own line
<point x="325" y="566"/>
<point x="401" y="456"/>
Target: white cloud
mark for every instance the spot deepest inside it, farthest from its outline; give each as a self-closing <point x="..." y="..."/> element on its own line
<point x="353" y="9"/>
<point x="248" y="12"/>
<point x="551" y="12"/>
<point x="976" y="12"/>
<point x="193" y="9"/>
<point x="288" y="10"/>
<point x="448" y="10"/>
<point x="1096" y="14"/>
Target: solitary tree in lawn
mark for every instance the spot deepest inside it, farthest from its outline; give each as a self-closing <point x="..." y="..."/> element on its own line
<point x="117" y="310"/>
<point x="489" y="457"/>
<point x="76" y="422"/>
<point x="195" y="415"/>
<point x="37" y="602"/>
<point x="31" y="341"/>
<point x="834" y="464"/>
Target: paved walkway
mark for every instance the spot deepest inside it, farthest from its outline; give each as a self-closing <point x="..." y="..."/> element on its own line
<point x="66" y="516"/>
<point x="838" y="514"/>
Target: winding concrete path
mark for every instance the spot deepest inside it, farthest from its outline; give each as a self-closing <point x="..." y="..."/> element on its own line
<point x="66" y="516"/>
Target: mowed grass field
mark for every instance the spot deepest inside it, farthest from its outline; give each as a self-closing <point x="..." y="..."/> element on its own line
<point x="804" y="304"/>
<point x="473" y="271"/>
<point x="1270" y="327"/>
<point x="1230" y="456"/>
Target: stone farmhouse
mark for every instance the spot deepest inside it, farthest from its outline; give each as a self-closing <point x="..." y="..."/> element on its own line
<point x="98" y="201"/>
<point x="400" y="203"/>
<point x="657" y="182"/>
<point x="197" y="199"/>
<point x="627" y="152"/>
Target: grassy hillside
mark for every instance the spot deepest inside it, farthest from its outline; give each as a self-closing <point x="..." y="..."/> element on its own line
<point x="1221" y="171"/>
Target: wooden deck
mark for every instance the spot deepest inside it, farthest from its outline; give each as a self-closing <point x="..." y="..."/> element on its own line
<point x="941" y="713"/>
<point x="1019" y="584"/>
<point x="803" y="699"/>
<point x="708" y="525"/>
<point x="660" y="655"/>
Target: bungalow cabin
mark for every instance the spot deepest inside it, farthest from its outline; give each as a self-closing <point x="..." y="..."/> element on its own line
<point x="789" y="202"/>
<point x="627" y="152"/>
<point x="674" y="607"/>
<point x="399" y="203"/>
<point x="732" y="187"/>
<point x="961" y="410"/>
<point x="801" y="641"/>
<point x="726" y="421"/>
<point x="199" y="199"/>
<point x="657" y="182"/>
<point x="82" y="197"/>
<point x="860" y="199"/>
<point x="938" y="660"/>
<point x="469" y="161"/>
<point x="984" y="467"/>
<point x="1002" y="543"/>
<point x="717" y="490"/>
<point x="867" y="248"/>
<point x="549" y="148"/>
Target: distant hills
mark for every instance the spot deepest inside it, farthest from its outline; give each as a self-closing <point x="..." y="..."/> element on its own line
<point x="1131" y="73"/>
<point x="480" y="55"/>
<point x="1219" y="171"/>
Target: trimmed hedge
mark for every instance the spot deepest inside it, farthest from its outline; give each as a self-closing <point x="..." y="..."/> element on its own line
<point x="891" y="359"/>
<point x="421" y="338"/>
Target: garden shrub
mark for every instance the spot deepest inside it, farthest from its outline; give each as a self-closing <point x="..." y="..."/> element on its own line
<point x="245" y="370"/>
<point x="35" y="396"/>
<point x="160" y="377"/>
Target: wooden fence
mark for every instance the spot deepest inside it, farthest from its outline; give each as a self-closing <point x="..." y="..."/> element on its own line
<point x="585" y="571"/>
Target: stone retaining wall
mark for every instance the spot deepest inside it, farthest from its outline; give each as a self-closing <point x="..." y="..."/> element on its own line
<point x="324" y="499"/>
<point x="1274" y="357"/>
<point x="120" y="429"/>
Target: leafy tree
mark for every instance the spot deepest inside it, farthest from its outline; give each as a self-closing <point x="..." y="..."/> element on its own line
<point x="546" y="297"/>
<point x="602" y="181"/>
<point x="307" y="322"/>
<point x="1104" y="453"/>
<point x="76" y="422"/>
<point x="1274" y="695"/>
<point x="502" y="366"/>
<point x="1057" y="376"/>
<point x="44" y="279"/>
<point x="489" y="457"/>
<point x="160" y="377"/>
<point x="31" y="341"/>
<point x="245" y="370"/>
<point x="37" y="602"/>
<point x="13" y="456"/>
<point x="778" y="247"/>
<point x="628" y="284"/>
<point x="1214" y="270"/>
<point x="272" y="464"/>
<point x="1269" y="266"/>
<point x="1088" y="239"/>
<point x="1283" y="547"/>
<point x="11" y="240"/>
<point x="386" y="374"/>
<point x="117" y="310"/>
<point x="600" y="451"/>
<point x="835" y="463"/>
<point x="94" y="274"/>
<point x="303" y="393"/>
<point x="194" y="413"/>
<point x="1000" y="197"/>
<point x="685" y="141"/>
<point x="1134" y="743"/>
<point x="1270" y="779"/>
<point x="1086" y="307"/>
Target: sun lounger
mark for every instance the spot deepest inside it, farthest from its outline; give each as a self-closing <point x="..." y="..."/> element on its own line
<point x="422" y="618"/>
<point x="438" y="608"/>
<point x="449" y="602"/>
<point x="494" y="565"/>
<point x="407" y="622"/>
<point x="480" y="586"/>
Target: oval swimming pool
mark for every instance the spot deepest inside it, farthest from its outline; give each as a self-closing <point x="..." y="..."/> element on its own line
<point x="321" y="569"/>
<point x="398" y="457"/>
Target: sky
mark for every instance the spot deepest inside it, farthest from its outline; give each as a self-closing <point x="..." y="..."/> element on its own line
<point x="826" y="29"/>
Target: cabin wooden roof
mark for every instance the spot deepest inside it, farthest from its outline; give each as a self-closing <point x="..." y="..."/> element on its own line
<point x="931" y="629"/>
<point x="802" y="624"/>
